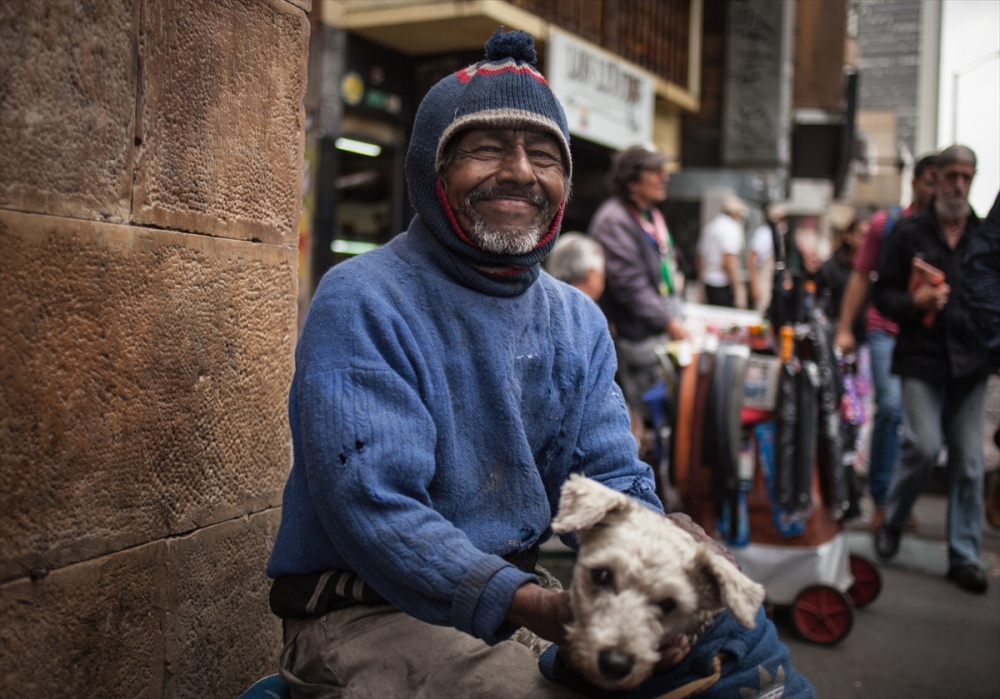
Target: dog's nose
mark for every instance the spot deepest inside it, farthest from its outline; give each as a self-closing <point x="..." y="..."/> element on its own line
<point x="614" y="664"/>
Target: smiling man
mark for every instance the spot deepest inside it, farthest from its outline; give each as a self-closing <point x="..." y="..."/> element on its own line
<point x="943" y="367"/>
<point x="444" y="390"/>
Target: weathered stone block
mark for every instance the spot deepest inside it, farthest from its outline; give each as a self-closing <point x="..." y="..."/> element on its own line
<point x="67" y="106"/>
<point x="220" y="634"/>
<point x="94" y="629"/>
<point x="143" y="388"/>
<point x="221" y="122"/>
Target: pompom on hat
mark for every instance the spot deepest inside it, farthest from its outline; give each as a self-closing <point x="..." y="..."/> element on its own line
<point x="504" y="91"/>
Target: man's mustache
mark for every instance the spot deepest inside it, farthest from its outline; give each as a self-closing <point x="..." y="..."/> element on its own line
<point x="532" y="196"/>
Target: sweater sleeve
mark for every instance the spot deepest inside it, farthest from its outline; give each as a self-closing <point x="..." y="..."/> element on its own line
<point x="606" y="448"/>
<point x="368" y="450"/>
<point x="626" y="278"/>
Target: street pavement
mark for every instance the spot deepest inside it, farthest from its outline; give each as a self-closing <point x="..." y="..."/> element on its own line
<point x="923" y="637"/>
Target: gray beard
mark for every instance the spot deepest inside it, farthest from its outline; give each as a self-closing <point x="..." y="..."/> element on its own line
<point x="951" y="208"/>
<point x="516" y="242"/>
<point x="505" y="242"/>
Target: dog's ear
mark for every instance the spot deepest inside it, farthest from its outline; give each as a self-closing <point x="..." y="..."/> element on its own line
<point x="585" y="502"/>
<point x="726" y="586"/>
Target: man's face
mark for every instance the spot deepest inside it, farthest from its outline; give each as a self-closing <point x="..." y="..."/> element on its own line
<point x="923" y="188"/>
<point x="651" y="187"/>
<point x="505" y="187"/>
<point x="953" y="183"/>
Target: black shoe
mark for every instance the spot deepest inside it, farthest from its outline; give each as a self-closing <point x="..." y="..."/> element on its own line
<point x="886" y="542"/>
<point x="968" y="576"/>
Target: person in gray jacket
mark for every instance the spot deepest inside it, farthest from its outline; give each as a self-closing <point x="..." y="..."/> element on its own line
<point x="641" y="276"/>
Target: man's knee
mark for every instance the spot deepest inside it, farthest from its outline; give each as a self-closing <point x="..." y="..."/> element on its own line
<point x="920" y="449"/>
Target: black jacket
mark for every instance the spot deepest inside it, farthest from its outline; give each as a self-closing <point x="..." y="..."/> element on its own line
<point x="950" y="348"/>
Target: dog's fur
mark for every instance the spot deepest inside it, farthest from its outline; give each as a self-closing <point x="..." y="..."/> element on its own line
<point x="639" y="583"/>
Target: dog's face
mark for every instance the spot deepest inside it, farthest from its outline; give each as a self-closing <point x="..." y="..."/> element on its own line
<point x="639" y="582"/>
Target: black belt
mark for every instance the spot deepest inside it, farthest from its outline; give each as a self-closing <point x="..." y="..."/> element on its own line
<point x="315" y="594"/>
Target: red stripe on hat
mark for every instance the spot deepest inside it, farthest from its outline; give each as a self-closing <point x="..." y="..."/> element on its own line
<point x="466" y="74"/>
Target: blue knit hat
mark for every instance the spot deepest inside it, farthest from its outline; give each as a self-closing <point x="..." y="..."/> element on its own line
<point x="504" y="91"/>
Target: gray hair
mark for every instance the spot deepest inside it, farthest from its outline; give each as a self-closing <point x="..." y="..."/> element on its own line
<point x="956" y="154"/>
<point x="573" y="255"/>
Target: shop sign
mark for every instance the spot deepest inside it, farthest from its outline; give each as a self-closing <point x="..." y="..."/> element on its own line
<point x="606" y="99"/>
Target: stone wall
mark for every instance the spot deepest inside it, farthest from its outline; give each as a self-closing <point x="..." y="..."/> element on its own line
<point x="150" y="176"/>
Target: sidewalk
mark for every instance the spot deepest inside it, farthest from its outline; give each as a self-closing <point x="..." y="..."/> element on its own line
<point x="923" y="636"/>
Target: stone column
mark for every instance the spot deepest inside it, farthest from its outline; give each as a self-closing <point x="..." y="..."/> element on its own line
<point x="150" y="188"/>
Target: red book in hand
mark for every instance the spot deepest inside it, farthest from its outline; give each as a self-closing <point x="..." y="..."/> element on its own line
<point x="921" y="274"/>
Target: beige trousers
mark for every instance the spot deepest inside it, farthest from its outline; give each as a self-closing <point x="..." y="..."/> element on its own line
<point x="383" y="653"/>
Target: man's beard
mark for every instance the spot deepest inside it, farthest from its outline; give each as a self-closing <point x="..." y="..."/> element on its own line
<point x="512" y="241"/>
<point x="951" y="208"/>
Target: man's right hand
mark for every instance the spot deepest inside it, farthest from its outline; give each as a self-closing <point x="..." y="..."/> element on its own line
<point x="676" y="330"/>
<point x="844" y="340"/>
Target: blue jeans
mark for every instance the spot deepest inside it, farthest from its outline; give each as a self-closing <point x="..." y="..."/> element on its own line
<point x="885" y="430"/>
<point x="957" y="406"/>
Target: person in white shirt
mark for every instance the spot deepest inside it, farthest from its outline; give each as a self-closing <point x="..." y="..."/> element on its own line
<point x="718" y="253"/>
<point x="760" y="257"/>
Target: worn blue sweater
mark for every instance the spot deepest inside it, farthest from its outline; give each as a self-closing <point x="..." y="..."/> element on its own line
<point x="433" y="426"/>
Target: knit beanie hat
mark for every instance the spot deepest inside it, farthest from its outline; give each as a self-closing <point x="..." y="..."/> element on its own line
<point x="504" y="91"/>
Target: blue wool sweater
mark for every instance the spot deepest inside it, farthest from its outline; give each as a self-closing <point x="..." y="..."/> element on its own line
<point x="433" y="426"/>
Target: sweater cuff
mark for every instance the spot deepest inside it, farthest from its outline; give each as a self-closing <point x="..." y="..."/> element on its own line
<point x="484" y="597"/>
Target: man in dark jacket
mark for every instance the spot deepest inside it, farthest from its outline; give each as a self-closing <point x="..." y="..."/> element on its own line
<point x="943" y="364"/>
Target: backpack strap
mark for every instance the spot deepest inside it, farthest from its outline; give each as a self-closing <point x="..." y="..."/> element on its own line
<point x="894" y="213"/>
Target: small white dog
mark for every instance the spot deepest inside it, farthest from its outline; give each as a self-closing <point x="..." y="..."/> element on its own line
<point x="640" y="581"/>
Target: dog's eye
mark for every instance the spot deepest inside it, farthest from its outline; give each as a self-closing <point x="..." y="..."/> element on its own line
<point x="668" y="605"/>
<point x="602" y="577"/>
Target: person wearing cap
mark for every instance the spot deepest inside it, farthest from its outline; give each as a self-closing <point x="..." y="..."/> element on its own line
<point x="642" y="285"/>
<point x="641" y="261"/>
<point x="943" y="365"/>
<point x="719" y="250"/>
<point x="578" y="261"/>
<point x="444" y="390"/>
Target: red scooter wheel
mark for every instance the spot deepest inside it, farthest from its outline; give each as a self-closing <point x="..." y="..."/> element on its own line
<point x="867" y="581"/>
<point x="822" y="614"/>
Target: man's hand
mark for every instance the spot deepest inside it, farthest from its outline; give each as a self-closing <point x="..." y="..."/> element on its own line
<point x="931" y="298"/>
<point x="676" y="330"/>
<point x="541" y="611"/>
<point x="844" y="339"/>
